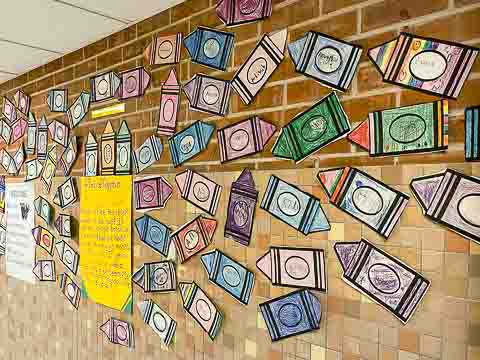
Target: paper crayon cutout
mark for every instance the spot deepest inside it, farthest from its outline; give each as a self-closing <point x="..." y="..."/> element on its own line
<point x="154" y="234"/>
<point x="210" y="47"/>
<point x="43" y="209"/>
<point x="63" y="224"/>
<point x="44" y="238"/>
<point x="311" y="130"/>
<point x="34" y="169"/>
<point x="6" y="131"/>
<point x="404" y="130"/>
<point x="156" y="277"/>
<point x="69" y="156"/>
<point x="49" y="168"/>
<point x="472" y="133"/>
<point x="228" y="274"/>
<point x="331" y="61"/>
<point x="31" y="134"/>
<point x="68" y="256"/>
<point x="164" y="50"/>
<point x="57" y="100"/>
<point x="294" y="267"/>
<point x="293" y="206"/>
<point x="198" y="190"/>
<point x="190" y="142"/>
<point x="244" y="138"/>
<point x="147" y="154"/>
<point x="133" y="83"/>
<point x="371" y="202"/>
<point x="123" y="165"/>
<point x="163" y="325"/>
<point x="386" y="280"/>
<point x="42" y="139"/>
<point x="104" y="86"/>
<point x="292" y="314"/>
<point x="91" y="155"/>
<point x="23" y="101"/>
<point x="429" y="65"/>
<point x="451" y="199"/>
<point x="108" y="150"/>
<point x="18" y="129"/>
<point x="241" y="209"/>
<point x="237" y="12"/>
<point x="59" y="132"/>
<point x="208" y="94"/>
<point x="3" y="235"/>
<point x="44" y="270"/>
<point x="66" y="194"/>
<point x="8" y="163"/>
<point x="79" y="109"/>
<point x="151" y="193"/>
<point x="118" y="332"/>
<point x="70" y="290"/>
<point x="19" y="157"/>
<point x="9" y="110"/>
<point x="169" y="105"/>
<point x="201" y="308"/>
<point x="193" y="237"/>
<point x="260" y="65"/>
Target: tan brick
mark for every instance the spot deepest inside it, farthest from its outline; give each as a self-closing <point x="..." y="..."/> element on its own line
<point x="95" y="48"/>
<point x="208" y="18"/>
<point x="110" y="58"/>
<point x="291" y="14"/>
<point x="73" y="57"/>
<point x="45" y="83"/>
<point x="122" y="37"/>
<point x="64" y="76"/>
<point x="305" y="91"/>
<point x="153" y="23"/>
<point x="339" y="26"/>
<point x="85" y="68"/>
<point x="188" y="8"/>
<point x="460" y="3"/>
<point x="135" y="49"/>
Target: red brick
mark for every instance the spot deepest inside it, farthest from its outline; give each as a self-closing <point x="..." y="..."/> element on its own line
<point x="357" y="109"/>
<point x="292" y="14"/>
<point x="339" y="26"/>
<point x="307" y="90"/>
<point x="187" y="8"/>
<point x="369" y="78"/>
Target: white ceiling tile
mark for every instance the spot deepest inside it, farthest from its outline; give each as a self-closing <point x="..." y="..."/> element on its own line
<point x="18" y="59"/>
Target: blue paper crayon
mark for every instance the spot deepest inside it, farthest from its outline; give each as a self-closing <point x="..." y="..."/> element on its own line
<point x="153" y="233"/>
<point x="472" y="133"/>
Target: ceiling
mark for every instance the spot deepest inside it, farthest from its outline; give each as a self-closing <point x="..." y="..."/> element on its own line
<point x="35" y="32"/>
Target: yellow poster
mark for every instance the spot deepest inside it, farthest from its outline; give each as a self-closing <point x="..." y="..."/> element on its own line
<point x="106" y="240"/>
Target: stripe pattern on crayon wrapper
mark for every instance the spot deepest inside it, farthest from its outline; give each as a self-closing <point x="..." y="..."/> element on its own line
<point x="275" y="55"/>
<point x="391" y="216"/>
<point x="157" y="152"/>
<point x="257" y="139"/>
<point x="231" y="20"/>
<point x="170" y="332"/>
<point x="413" y="295"/>
<point x="202" y="144"/>
<point x="472" y="133"/>
<point x="178" y="242"/>
<point x="153" y="49"/>
<point x="108" y="169"/>
<point x="168" y="130"/>
<point x="216" y="193"/>
<point x="235" y="235"/>
<point x="166" y="241"/>
<point x="225" y="95"/>
<point x="147" y="286"/>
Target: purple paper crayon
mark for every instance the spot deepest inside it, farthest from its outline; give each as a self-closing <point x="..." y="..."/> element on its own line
<point x="169" y="105"/>
<point x="151" y="193"/>
<point x="236" y="12"/>
<point x="134" y="83"/>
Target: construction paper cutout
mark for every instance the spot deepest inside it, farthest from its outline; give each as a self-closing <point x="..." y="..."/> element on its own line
<point x="472" y="133"/>
<point x="404" y="130"/>
<point x="368" y="200"/>
<point x="79" y="109"/>
<point x="49" y="168"/>
<point x="69" y="156"/>
<point x="23" y="101"/>
<point x="451" y="199"/>
<point x="329" y="60"/>
<point x="260" y="65"/>
<point x="163" y="325"/>
<point x="57" y="100"/>
<point x="19" y="157"/>
<point x="164" y="50"/>
<point x="199" y="190"/>
<point x="241" y="209"/>
<point x="18" y="129"/>
<point x="133" y="83"/>
<point x="293" y="206"/>
<point x="193" y="237"/>
<point x="190" y="142"/>
<point x="294" y="267"/>
<point x="6" y="131"/>
<point x="118" y="332"/>
<point x="151" y="193"/>
<point x="70" y="290"/>
<point x="59" y="132"/>
<point x="210" y="47"/>
<point x="292" y="314"/>
<point x="68" y="256"/>
<point x="91" y="156"/>
<point x="345" y="252"/>
<point x="3" y="217"/>
<point x="154" y="234"/>
<point x="44" y="270"/>
<point x="169" y="105"/>
<point x="201" y="308"/>
<point x="104" y="86"/>
<point x="123" y="165"/>
<point x="208" y="94"/>
<point x="34" y="169"/>
<point x="31" y="134"/>
<point x="43" y="209"/>
<point x="311" y="130"/>
<point x="8" y="163"/>
<point x="228" y="274"/>
<point x="63" y="225"/>
<point x="237" y="12"/>
<point x="386" y="280"/>
<point x="425" y="64"/>
<point x="44" y="238"/>
<point x="246" y="137"/>
<point x="108" y="150"/>
<point x="147" y="154"/>
<point x="9" y="110"/>
<point x="42" y="139"/>
<point x="66" y="194"/>
<point x="156" y="277"/>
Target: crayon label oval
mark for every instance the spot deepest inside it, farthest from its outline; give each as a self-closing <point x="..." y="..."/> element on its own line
<point x="367" y="200"/>
<point x="201" y="191"/>
<point x="428" y="65"/>
<point x="239" y="140"/>
<point x="91" y="163"/>
<point x="314" y="128"/>
<point x="384" y="278"/>
<point x="211" y="48"/>
<point x="407" y="128"/>
<point x="290" y="315"/>
<point x="156" y="234"/>
<point x="160" y="276"/>
<point x="231" y="276"/>
<point x="288" y="204"/>
<point x="191" y="239"/>
<point x="203" y="310"/>
<point x="297" y="268"/>
<point x="328" y="60"/>
<point x="131" y="83"/>
<point x="240" y="213"/>
<point x="211" y="94"/>
<point x="469" y="209"/>
<point x="107" y="150"/>
<point x="248" y="7"/>
<point x="102" y="87"/>
<point x="159" y="322"/>
<point x="257" y="71"/>
<point x="148" y="193"/>
<point x="145" y="155"/>
<point x="168" y="110"/>
<point x="123" y="156"/>
<point x="68" y="257"/>
<point x="47" y="270"/>
<point x="77" y="111"/>
<point x="121" y="333"/>
<point x="165" y="49"/>
<point x="187" y="144"/>
<point x="70" y="291"/>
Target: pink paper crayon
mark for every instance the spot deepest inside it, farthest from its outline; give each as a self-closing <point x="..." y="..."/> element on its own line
<point x="134" y="83"/>
<point x="164" y="50"/>
<point x="151" y="193"/>
<point x="23" y="101"/>
<point x="169" y="105"/>
<point x="244" y="138"/>
<point x="236" y="12"/>
<point x="18" y="129"/>
<point x="118" y="332"/>
<point x="9" y="110"/>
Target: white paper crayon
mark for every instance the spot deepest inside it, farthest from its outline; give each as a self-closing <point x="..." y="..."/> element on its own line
<point x="118" y="332"/>
<point x="49" y="168"/>
<point x="66" y="194"/>
<point x="79" y="109"/>
<point x="165" y="49"/>
<point x="70" y="290"/>
<point x="156" y="277"/>
<point x="43" y="209"/>
<point x="9" y="110"/>
<point x="68" y="256"/>
<point x="69" y="156"/>
<point x="208" y="94"/>
<point x="44" y="238"/>
<point x="59" y="132"/>
<point x="104" y="86"/>
<point x="34" y="169"/>
<point x="5" y="131"/>
<point x="163" y="325"/>
<point x="23" y="101"/>
<point x="57" y="100"/>
<point x="63" y="225"/>
<point x="42" y="139"/>
<point x="18" y="129"/>
<point x="123" y="165"/>
<point x="147" y="154"/>
<point x="44" y="270"/>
